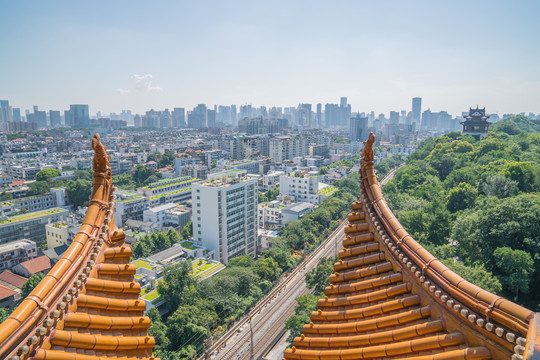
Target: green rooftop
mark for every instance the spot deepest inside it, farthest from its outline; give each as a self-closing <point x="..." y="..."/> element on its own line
<point x="151" y="296"/>
<point x="133" y="198"/>
<point x="168" y="182"/>
<point x="170" y="193"/>
<point x="142" y="264"/>
<point x="32" y="215"/>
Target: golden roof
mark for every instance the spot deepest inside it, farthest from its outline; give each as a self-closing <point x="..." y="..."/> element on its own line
<point x="88" y="305"/>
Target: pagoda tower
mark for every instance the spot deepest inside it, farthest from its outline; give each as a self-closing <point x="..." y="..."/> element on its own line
<point x="476" y="123"/>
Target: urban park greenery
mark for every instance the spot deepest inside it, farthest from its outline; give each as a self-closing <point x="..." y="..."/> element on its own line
<point x="475" y="204"/>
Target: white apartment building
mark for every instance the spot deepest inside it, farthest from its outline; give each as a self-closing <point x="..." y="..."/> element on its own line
<point x="302" y="187"/>
<point x="269" y="215"/>
<point x="287" y="148"/>
<point x="224" y="213"/>
<point x="129" y="206"/>
<point x="15" y="252"/>
<point x="271" y="180"/>
<point x="169" y="214"/>
<point x="305" y="188"/>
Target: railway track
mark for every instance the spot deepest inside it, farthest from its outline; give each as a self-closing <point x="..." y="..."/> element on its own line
<point x="266" y="323"/>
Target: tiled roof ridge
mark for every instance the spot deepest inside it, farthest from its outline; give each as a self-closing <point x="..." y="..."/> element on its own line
<point x="386" y="284"/>
<point x="69" y="289"/>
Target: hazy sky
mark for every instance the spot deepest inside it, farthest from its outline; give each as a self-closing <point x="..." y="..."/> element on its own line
<point x="139" y="55"/>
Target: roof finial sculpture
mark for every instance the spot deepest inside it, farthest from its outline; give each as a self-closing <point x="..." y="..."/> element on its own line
<point x="101" y="160"/>
<point x="367" y="151"/>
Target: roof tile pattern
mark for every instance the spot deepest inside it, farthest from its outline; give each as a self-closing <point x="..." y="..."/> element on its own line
<point x="385" y="301"/>
<point x="88" y="305"/>
<point x="12" y="279"/>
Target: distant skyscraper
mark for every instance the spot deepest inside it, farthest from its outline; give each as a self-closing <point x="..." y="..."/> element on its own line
<point x="197" y="117"/>
<point x="54" y="117"/>
<point x="16" y="114"/>
<point x="179" y="118"/>
<point x="77" y="116"/>
<point x="38" y="117"/>
<point x="211" y="118"/>
<point x="6" y="115"/>
<point x="319" y="116"/>
<point x="304" y="115"/>
<point x="331" y="115"/>
<point x="165" y="119"/>
<point x="358" y="128"/>
<point x="416" y="109"/>
<point x="344" y="112"/>
<point x="137" y="121"/>
<point x="394" y="117"/>
<point x="234" y="117"/>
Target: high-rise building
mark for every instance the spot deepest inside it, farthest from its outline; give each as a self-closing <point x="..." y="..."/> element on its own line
<point x="394" y="117"/>
<point x="38" y="117"/>
<point x="197" y="117"/>
<point x="179" y="118"/>
<point x="77" y="116"/>
<point x="319" y="116"/>
<point x="358" y="128"/>
<point x="54" y="117"/>
<point x="16" y="114"/>
<point x="165" y="119"/>
<point x="6" y="115"/>
<point x="337" y="115"/>
<point x="211" y="118"/>
<point x="234" y="117"/>
<point x="287" y="147"/>
<point x="137" y="121"/>
<point x="224" y="210"/>
<point x="416" y="109"/>
<point x="303" y="115"/>
<point x="331" y="115"/>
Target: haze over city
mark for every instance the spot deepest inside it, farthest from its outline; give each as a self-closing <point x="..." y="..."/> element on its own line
<point x="138" y="55"/>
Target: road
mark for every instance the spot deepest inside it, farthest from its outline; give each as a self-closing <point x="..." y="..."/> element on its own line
<point x="266" y="321"/>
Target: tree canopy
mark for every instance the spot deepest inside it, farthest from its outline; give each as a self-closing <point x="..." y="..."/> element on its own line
<point x="481" y="199"/>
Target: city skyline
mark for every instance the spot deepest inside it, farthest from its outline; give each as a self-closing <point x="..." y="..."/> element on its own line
<point x="143" y="56"/>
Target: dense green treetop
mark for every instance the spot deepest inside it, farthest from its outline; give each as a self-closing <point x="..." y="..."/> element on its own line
<point x="481" y="199"/>
<point x="47" y="174"/>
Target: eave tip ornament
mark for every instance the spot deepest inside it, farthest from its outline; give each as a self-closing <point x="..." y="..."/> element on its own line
<point x="367" y="151"/>
<point x="101" y="159"/>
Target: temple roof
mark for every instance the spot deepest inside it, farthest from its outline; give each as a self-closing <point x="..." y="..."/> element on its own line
<point x="391" y="299"/>
<point x="88" y="305"/>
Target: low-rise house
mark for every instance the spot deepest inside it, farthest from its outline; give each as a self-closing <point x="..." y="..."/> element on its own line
<point x="28" y="268"/>
<point x="7" y="297"/>
<point x="296" y="211"/>
<point x="169" y="214"/>
<point x="12" y="280"/>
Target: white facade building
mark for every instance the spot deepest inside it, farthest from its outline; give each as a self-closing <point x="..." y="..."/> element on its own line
<point x="15" y="252"/>
<point x="224" y="214"/>
<point x="302" y="187"/>
<point x="169" y="214"/>
<point x="271" y="180"/>
<point x="287" y="148"/>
